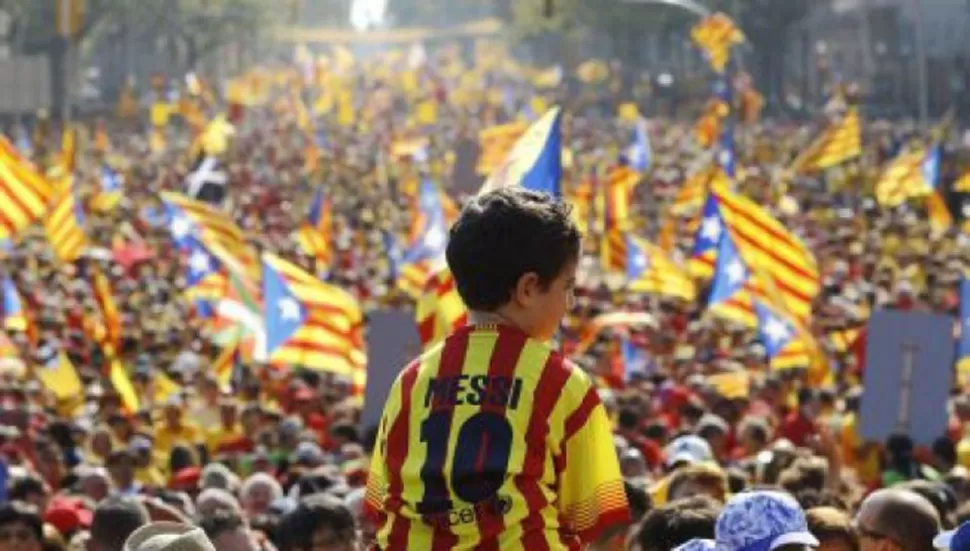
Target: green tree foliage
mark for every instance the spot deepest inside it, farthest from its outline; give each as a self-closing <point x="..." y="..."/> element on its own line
<point x="197" y="26"/>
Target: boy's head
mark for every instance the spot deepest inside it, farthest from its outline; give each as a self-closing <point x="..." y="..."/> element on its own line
<point x="513" y="253"/>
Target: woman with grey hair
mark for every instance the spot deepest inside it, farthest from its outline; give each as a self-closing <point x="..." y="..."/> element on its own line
<point x="258" y="492"/>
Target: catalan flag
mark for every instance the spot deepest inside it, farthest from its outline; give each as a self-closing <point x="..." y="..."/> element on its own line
<point x="783" y="347"/>
<point x="648" y="270"/>
<point x="535" y="161"/>
<point x="112" y="189"/>
<point x="65" y="225"/>
<point x="24" y="192"/>
<point x="693" y="192"/>
<point x="716" y="35"/>
<point x="582" y="201"/>
<point x="429" y="237"/>
<point x="707" y="239"/>
<point x="729" y="297"/>
<point x="620" y="183"/>
<point x="707" y="129"/>
<point x="775" y="252"/>
<point x="616" y="217"/>
<point x="225" y="365"/>
<point x="213" y="228"/>
<point x="913" y="173"/>
<point x="205" y="280"/>
<point x="840" y="142"/>
<point x="104" y="297"/>
<point x="314" y="236"/>
<point x="639" y="154"/>
<point x="440" y="309"/>
<point x="309" y="323"/>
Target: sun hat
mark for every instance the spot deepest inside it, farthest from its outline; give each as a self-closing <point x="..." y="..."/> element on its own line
<point x="168" y="536"/>
<point x="762" y="521"/>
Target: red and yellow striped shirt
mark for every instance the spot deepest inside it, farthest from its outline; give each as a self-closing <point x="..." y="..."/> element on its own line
<point x="490" y="440"/>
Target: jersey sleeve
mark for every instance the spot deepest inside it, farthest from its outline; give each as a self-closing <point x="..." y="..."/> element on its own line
<point x="592" y="496"/>
<point x="377" y="475"/>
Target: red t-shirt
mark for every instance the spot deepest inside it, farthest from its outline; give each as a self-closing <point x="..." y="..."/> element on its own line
<point x="797" y="428"/>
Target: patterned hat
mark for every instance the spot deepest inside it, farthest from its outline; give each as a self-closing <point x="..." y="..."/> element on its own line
<point x="762" y="521"/>
<point x="954" y="540"/>
<point x="697" y="544"/>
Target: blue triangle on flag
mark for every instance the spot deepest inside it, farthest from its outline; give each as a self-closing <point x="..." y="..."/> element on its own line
<point x="284" y="312"/>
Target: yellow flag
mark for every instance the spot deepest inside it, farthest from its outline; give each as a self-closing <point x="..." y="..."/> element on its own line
<point x="165" y="388"/>
<point x="629" y="112"/>
<point x="121" y="381"/>
<point x="60" y="377"/>
<point x="427" y="112"/>
<point x="345" y="110"/>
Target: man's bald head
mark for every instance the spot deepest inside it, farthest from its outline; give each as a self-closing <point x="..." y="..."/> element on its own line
<point x="906" y="517"/>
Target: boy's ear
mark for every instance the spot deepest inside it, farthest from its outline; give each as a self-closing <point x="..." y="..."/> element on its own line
<point x="526" y="288"/>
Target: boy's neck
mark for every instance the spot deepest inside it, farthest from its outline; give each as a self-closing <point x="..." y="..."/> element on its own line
<point x="476" y="317"/>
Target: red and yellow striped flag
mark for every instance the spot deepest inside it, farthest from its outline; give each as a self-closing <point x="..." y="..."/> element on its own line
<point x="771" y="250"/>
<point x="707" y="129"/>
<point x="495" y="144"/>
<point x="65" y="225"/>
<point x="219" y="233"/>
<point x="24" y="192"/>
<point x="716" y="35"/>
<point x="840" y="142"/>
<point x="440" y="309"/>
<point x="103" y="296"/>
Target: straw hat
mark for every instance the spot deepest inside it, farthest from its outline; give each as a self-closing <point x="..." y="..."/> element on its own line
<point x="168" y="536"/>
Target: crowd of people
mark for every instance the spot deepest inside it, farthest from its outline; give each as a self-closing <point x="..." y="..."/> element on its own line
<point x="279" y="459"/>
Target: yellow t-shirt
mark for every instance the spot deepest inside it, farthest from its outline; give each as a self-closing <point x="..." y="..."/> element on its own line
<point x="220" y="435"/>
<point x="167" y="437"/>
<point x="492" y="438"/>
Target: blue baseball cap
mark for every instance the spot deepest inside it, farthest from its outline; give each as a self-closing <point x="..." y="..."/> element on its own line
<point x="954" y="540"/>
<point x="762" y="521"/>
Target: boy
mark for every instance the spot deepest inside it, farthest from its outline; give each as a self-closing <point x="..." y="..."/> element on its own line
<point x="491" y="440"/>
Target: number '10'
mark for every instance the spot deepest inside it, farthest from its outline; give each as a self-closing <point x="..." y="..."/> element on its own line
<point x="479" y="464"/>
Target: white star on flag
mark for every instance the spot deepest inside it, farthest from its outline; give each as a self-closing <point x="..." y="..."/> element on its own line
<point x="199" y="262"/>
<point x="735" y="272"/>
<point x="776" y="331"/>
<point x="181" y="227"/>
<point x="435" y="238"/>
<point x="640" y="261"/>
<point x="966" y="321"/>
<point x="711" y="228"/>
<point x="725" y="157"/>
<point x="289" y="309"/>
